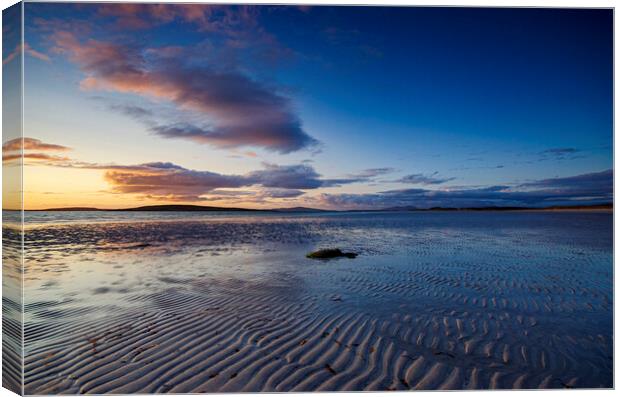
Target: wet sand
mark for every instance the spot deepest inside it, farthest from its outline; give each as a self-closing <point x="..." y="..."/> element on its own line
<point x="439" y="301"/>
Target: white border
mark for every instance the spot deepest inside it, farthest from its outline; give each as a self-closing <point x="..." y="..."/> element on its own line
<point x="478" y="3"/>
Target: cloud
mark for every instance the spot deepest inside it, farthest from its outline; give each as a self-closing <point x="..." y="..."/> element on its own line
<point x="279" y="137"/>
<point x="422" y="179"/>
<point x="32" y="156"/>
<point x="167" y="178"/>
<point x="168" y="181"/>
<point x="281" y="193"/>
<point x="560" y="151"/>
<point x="590" y="188"/>
<point x="238" y="110"/>
<point x="288" y="177"/>
<point x="238" y="24"/>
<point x="135" y="112"/>
<point x="12" y="150"/>
<point x="483" y="167"/>
<point x="372" y="172"/>
<point x="231" y="197"/>
<point x="27" y="50"/>
<point x="588" y="182"/>
<point x="300" y="176"/>
<point x="14" y="54"/>
<point x="207" y="17"/>
<point x="31" y="144"/>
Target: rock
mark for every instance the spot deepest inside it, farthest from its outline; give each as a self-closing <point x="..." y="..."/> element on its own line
<point x="330" y="253"/>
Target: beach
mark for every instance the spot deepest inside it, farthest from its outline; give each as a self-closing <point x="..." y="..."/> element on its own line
<point x="183" y="302"/>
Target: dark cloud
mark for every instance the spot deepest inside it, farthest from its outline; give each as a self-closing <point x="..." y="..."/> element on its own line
<point x="240" y="110"/>
<point x="300" y="176"/>
<point x="588" y="182"/>
<point x="281" y="193"/>
<point x="560" y="151"/>
<point x="288" y="177"/>
<point x="372" y="172"/>
<point x="485" y="167"/>
<point x="588" y="188"/>
<point x="280" y="137"/>
<point x="136" y="112"/>
<point x="422" y="179"/>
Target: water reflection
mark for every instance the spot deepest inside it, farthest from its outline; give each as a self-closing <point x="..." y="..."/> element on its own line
<point x="515" y="269"/>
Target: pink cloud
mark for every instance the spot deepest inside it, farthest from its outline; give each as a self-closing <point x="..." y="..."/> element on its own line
<point x="208" y="17"/>
<point x="243" y="111"/>
<point x="27" y="50"/>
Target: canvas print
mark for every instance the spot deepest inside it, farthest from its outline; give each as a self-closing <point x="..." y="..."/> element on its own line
<point x="280" y="198"/>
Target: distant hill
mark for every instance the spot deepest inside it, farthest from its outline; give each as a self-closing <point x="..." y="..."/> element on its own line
<point x="171" y="207"/>
<point x="197" y="208"/>
<point x="298" y="209"/>
<point x="399" y="209"/>
<point x="178" y="207"/>
<point x="608" y="206"/>
<point x="71" y="209"/>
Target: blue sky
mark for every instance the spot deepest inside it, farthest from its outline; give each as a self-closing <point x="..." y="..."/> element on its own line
<point x="331" y="107"/>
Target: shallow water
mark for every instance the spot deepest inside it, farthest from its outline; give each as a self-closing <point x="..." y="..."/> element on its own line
<point x="198" y="302"/>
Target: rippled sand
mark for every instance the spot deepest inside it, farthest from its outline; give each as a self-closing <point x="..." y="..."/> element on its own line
<point x="227" y="304"/>
<point x="11" y="303"/>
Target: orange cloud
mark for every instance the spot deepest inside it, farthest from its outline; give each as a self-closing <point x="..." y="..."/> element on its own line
<point x="165" y="180"/>
<point x="32" y="156"/>
<point x="31" y="144"/>
<point x="12" y="150"/>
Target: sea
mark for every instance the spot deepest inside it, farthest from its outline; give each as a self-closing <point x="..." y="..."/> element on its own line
<point x="508" y="299"/>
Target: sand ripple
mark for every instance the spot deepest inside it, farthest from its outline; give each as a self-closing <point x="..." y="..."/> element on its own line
<point x="424" y="308"/>
<point x="11" y="309"/>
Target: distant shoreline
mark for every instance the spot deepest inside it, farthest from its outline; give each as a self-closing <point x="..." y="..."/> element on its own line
<point x="199" y="208"/>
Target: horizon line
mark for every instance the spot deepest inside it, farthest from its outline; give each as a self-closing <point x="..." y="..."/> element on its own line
<point x="195" y="207"/>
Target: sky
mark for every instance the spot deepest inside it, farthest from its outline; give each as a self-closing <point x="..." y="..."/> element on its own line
<point x="324" y="107"/>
